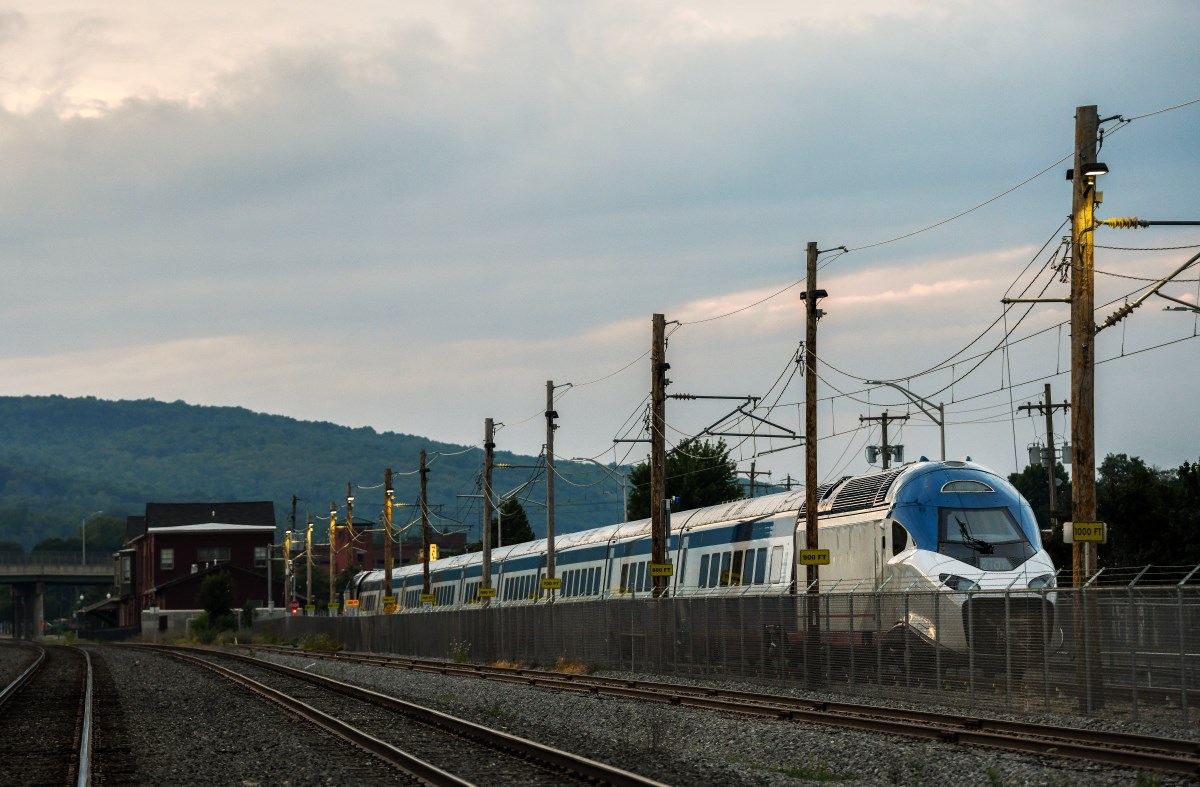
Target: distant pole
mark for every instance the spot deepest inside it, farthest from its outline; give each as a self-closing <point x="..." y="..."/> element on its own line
<point x="424" y="525"/>
<point x="308" y="594"/>
<point x="811" y="535"/>
<point x="388" y="496"/>
<point x="489" y="449"/>
<point x="332" y="545"/>
<point x="1048" y="410"/>
<point x="658" y="449"/>
<point x="550" y="427"/>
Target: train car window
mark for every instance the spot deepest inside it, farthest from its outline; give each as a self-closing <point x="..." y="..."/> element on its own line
<point x="966" y="486"/>
<point x="726" y="559"/>
<point x="703" y="581"/>
<point x="776" y="563"/>
<point x="748" y="568"/>
<point x="899" y="538"/>
<point x="624" y="577"/>
<point x="760" y="566"/>
<point x="714" y="571"/>
<point x="596" y="581"/>
<point x="643" y="577"/>
<point x="735" y="573"/>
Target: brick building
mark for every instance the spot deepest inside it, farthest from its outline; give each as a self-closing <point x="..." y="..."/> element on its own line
<point x="170" y="550"/>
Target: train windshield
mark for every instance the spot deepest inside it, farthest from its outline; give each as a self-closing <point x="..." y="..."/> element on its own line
<point x="987" y="538"/>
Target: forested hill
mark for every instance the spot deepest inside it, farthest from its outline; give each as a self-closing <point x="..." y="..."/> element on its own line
<point x="62" y="458"/>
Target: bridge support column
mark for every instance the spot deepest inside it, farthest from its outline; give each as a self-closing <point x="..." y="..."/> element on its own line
<point x="28" y="609"/>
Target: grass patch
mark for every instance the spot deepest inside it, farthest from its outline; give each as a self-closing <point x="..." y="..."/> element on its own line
<point x="503" y="664"/>
<point x="460" y="651"/>
<point x="321" y="643"/>
<point x="813" y="770"/>
<point x="567" y="666"/>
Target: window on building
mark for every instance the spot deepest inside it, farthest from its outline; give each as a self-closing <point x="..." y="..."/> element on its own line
<point x="166" y="559"/>
<point x="212" y="554"/>
<point x="126" y="569"/>
<point x="260" y="557"/>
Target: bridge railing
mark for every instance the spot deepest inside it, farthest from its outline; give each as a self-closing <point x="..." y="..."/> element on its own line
<point x="55" y="559"/>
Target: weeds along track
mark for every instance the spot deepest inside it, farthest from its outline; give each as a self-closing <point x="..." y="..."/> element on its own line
<point x="1164" y="754"/>
<point x="435" y="747"/>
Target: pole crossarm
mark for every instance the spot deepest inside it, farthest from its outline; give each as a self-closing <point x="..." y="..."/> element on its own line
<point x="1124" y="311"/>
<point x="919" y="401"/>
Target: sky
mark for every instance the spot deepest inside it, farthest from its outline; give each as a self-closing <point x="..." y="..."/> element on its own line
<point x="412" y="215"/>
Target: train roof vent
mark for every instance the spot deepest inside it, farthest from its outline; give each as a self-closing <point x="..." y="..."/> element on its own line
<point x="822" y="491"/>
<point x="865" y="491"/>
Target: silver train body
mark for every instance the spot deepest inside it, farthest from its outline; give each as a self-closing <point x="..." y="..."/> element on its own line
<point x="948" y="551"/>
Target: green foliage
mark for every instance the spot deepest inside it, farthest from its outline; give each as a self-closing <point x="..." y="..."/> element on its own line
<point x="699" y="474"/>
<point x="515" y="523"/>
<point x="140" y="451"/>
<point x="216" y="599"/>
<point x="1152" y="514"/>
<point x="321" y="643"/>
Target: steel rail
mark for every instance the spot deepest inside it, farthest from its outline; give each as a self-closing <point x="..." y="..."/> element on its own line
<point x="83" y="776"/>
<point x="19" y="681"/>
<point x="526" y="749"/>
<point x="1171" y="755"/>
<point x="419" y="769"/>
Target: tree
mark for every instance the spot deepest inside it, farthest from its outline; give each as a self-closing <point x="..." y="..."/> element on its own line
<point x="516" y="524"/>
<point x="1143" y="506"/>
<point x="699" y="474"/>
<point x="1033" y="486"/>
<point x="216" y="598"/>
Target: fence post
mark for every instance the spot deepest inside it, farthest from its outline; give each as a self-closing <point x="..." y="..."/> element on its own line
<point x="1183" y="685"/>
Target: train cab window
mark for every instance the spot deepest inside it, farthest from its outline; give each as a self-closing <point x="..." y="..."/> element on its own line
<point x="987" y="538"/>
<point x="899" y="538"/>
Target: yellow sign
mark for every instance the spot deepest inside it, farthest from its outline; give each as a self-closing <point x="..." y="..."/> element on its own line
<point x="332" y="606"/>
<point x="1091" y="532"/>
<point x="551" y="583"/>
<point x="389" y="600"/>
<point x="662" y="570"/>
<point x="310" y="607"/>
<point x="352" y="602"/>
<point x="814" y="557"/>
<point x="426" y="598"/>
<point x="487" y="592"/>
<point x="433" y="552"/>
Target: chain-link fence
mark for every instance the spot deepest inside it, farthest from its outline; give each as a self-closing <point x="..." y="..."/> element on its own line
<point x="1125" y="652"/>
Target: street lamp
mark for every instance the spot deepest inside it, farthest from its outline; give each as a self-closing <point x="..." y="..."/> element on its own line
<point x="613" y="474"/>
<point x="83" y="531"/>
<point x="939" y="419"/>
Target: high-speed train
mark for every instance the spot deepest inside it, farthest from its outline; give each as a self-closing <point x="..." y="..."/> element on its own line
<point x="949" y="546"/>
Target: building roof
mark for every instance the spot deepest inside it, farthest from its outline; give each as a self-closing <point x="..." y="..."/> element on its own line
<point x="177" y="514"/>
<point x="214" y="527"/>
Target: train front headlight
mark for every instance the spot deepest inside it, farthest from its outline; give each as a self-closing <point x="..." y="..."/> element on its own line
<point x="955" y="582"/>
<point x="1043" y="581"/>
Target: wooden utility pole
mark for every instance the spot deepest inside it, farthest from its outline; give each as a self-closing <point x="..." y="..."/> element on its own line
<point x="332" y="545"/>
<point x="424" y="526"/>
<point x="885" y="450"/>
<point x="550" y="427"/>
<point x="1083" y="336"/>
<point x="308" y="588"/>
<point x="387" y="538"/>
<point x="489" y="449"/>
<point x="350" y="521"/>
<point x="658" y="450"/>
<point x="811" y="293"/>
<point x="1048" y="409"/>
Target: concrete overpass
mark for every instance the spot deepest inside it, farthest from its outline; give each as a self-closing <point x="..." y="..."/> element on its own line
<point x="28" y="576"/>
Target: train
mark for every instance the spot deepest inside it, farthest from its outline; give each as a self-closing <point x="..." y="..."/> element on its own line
<point x="950" y="552"/>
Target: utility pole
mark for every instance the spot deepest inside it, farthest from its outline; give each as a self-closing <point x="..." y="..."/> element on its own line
<point x="658" y="450"/>
<point x="332" y="546"/>
<point x="1049" y="409"/>
<point x="308" y="593"/>
<point x="1083" y="334"/>
<point x="812" y="314"/>
<point x="752" y="474"/>
<point x="387" y="540"/>
<point x="288" y="568"/>
<point x="350" y="521"/>
<point x="550" y="427"/>
<point x="885" y="449"/>
<point x="424" y="526"/>
<point x="489" y="448"/>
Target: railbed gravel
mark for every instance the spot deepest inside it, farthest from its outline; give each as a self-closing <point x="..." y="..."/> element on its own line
<point x="688" y="746"/>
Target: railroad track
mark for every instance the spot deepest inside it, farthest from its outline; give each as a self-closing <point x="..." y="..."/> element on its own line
<point x="439" y="749"/>
<point x="46" y="719"/>
<point x="1169" y="755"/>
